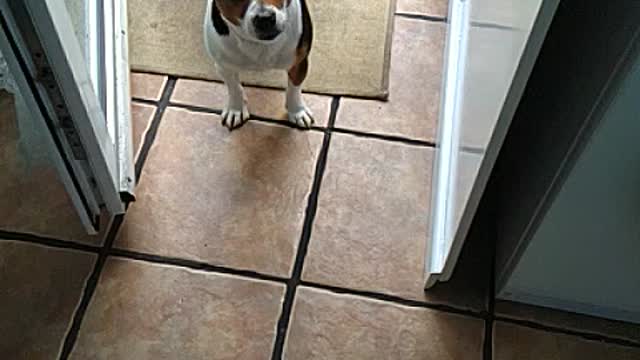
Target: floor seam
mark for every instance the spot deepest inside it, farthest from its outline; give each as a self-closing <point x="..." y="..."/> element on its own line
<point x="305" y="237"/>
<point x="385" y="137"/>
<point x="47" y="241"/>
<point x="194" y="265"/>
<point x="207" y="110"/>
<point x="152" y="132"/>
<point x="393" y="299"/>
<point x="145" y="101"/>
<point x="89" y="290"/>
<point x="256" y="275"/>
<point x="362" y="134"/>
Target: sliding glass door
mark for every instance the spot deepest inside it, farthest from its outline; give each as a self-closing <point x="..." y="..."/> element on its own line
<point x="67" y="63"/>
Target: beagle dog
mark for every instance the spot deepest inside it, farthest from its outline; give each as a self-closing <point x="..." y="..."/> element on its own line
<point x="260" y="35"/>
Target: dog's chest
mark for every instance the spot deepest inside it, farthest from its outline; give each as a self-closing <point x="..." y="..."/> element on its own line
<point x="255" y="56"/>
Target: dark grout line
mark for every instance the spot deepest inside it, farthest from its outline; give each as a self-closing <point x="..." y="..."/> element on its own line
<point x="202" y="109"/>
<point x="155" y="124"/>
<point x="391" y="138"/>
<point x="303" y="246"/>
<point x="333" y="113"/>
<point x="331" y="127"/>
<point x="421" y="17"/>
<point x="396" y="300"/>
<point x="145" y="101"/>
<point x="562" y="331"/>
<point x="194" y="265"/>
<point x="89" y="289"/>
<point x="45" y="241"/>
<point x="195" y="108"/>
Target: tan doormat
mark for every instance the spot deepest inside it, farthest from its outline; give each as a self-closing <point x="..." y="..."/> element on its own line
<point x="350" y="55"/>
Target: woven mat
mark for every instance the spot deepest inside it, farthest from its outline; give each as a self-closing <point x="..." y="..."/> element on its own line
<point x="350" y="55"/>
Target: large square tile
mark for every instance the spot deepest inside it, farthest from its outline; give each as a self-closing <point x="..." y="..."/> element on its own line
<point x="146" y="311"/>
<point x="414" y="82"/>
<point x="33" y="199"/>
<point x="331" y="326"/>
<point x="234" y="199"/>
<point x="437" y="8"/>
<point x="40" y="288"/>
<point x="371" y="228"/>
<point x="266" y="103"/>
<point x="512" y="342"/>
<point x="147" y="86"/>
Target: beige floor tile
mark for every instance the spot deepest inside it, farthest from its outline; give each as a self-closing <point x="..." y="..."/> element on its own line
<point x="146" y="311"/>
<point x="437" y="8"/>
<point x="40" y="288"/>
<point x="569" y="321"/>
<point x="267" y="103"/>
<point x="147" y="86"/>
<point x="141" y="115"/>
<point x="415" y="81"/>
<point x="331" y="326"/>
<point x="370" y="230"/>
<point x="32" y="198"/>
<point x="513" y="342"/>
<point x="235" y="199"/>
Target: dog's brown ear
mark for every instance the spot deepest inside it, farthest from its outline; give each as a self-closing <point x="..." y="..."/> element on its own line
<point x="277" y="3"/>
<point x="218" y="22"/>
<point x="232" y="10"/>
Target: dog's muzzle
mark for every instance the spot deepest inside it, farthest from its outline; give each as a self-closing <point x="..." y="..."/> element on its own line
<point x="265" y="25"/>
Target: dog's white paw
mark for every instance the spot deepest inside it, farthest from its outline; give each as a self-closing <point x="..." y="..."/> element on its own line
<point x="233" y="118"/>
<point x="301" y="117"/>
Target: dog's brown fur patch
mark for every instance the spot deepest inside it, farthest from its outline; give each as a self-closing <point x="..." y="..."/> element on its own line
<point x="298" y="72"/>
<point x="232" y="10"/>
<point x="277" y="3"/>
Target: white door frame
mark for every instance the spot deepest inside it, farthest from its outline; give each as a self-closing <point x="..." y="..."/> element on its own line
<point x="446" y="240"/>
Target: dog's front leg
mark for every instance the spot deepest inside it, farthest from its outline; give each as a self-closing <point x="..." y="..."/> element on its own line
<point x="235" y="112"/>
<point x="299" y="113"/>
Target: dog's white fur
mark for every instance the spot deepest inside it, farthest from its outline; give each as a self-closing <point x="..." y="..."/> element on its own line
<point x="242" y="50"/>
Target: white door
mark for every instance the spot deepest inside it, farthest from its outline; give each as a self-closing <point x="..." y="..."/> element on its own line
<point x="491" y="48"/>
<point x="68" y="61"/>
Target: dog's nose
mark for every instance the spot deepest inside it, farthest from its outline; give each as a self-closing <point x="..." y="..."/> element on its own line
<point x="265" y="22"/>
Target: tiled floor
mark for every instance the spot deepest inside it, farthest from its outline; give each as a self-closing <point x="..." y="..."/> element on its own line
<point x="270" y="242"/>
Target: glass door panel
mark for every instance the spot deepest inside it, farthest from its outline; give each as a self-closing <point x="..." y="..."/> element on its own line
<point x="73" y="79"/>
